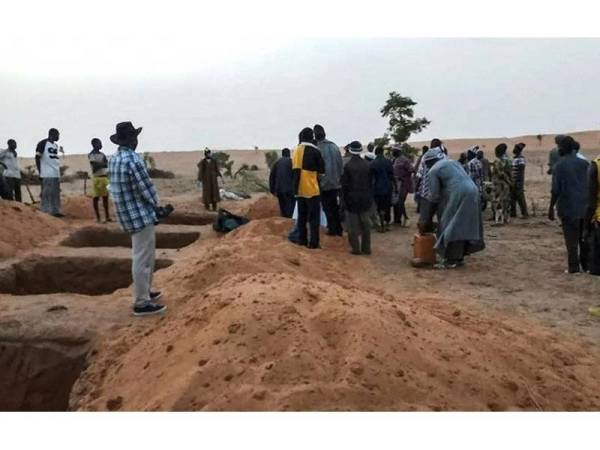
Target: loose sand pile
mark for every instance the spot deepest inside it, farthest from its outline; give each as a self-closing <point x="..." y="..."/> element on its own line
<point x="80" y="207"/>
<point x="256" y="323"/>
<point x="23" y="227"/>
<point x="265" y="206"/>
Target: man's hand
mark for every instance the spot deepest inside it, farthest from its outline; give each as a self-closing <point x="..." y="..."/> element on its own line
<point x="551" y="213"/>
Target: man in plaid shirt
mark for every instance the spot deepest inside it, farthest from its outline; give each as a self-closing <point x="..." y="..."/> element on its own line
<point x="475" y="169"/>
<point x="135" y="200"/>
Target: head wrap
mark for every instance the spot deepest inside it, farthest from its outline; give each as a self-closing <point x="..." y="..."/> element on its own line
<point x="434" y="154"/>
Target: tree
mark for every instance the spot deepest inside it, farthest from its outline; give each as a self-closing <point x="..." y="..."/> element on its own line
<point x="383" y="141"/>
<point x="402" y="121"/>
<point x="224" y="163"/>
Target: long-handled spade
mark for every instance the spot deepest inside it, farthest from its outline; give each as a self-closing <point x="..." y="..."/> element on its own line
<point x="33" y="202"/>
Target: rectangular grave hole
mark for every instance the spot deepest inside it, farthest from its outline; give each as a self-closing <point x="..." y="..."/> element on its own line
<point x="106" y="237"/>
<point x="77" y="275"/>
<point x="39" y="375"/>
<point x="179" y="218"/>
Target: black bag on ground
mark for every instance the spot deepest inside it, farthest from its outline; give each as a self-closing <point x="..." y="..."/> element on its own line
<point x="226" y="221"/>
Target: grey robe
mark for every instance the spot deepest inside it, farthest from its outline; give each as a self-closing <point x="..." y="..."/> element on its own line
<point x="459" y="209"/>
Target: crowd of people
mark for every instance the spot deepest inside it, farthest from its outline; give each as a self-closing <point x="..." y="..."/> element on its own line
<point x="354" y="193"/>
<point x="364" y="189"/>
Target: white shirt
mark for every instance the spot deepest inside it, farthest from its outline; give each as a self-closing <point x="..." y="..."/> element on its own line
<point x="11" y="163"/>
<point x="50" y="161"/>
<point x="580" y="156"/>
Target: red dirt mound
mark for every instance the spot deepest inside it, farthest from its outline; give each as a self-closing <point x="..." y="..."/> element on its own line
<point x="79" y="207"/>
<point x="256" y="323"/>
<point x="264" y="208"/>
<point x="23" y="227"/>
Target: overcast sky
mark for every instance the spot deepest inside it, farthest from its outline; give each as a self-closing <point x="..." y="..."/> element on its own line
<point x="238" y="92"/>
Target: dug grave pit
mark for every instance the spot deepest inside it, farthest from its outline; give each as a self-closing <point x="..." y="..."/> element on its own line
<point x="39" y="375"/>
<point x="107" y="237"/>
<point x="180" y="218"/>
<point x="38" y="275"/>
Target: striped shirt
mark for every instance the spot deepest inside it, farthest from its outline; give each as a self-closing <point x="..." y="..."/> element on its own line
<point x="475" y="170"/>
<point x="132" y="191"/>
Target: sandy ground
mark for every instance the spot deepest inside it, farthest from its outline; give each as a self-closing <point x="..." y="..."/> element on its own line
<point x="256" y="323"/>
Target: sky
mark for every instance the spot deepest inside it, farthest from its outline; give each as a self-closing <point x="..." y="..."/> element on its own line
<point x="226" y="90"/>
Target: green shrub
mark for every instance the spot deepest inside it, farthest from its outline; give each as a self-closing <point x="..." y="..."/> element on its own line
<point x="271" y="158"/>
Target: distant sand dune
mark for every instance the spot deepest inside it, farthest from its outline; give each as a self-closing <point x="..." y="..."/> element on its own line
<point x="184" y="162"/>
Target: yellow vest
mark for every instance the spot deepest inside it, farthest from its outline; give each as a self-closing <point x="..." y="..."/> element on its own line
<point x="597" y="212"/>
<point x="309" y="179"/>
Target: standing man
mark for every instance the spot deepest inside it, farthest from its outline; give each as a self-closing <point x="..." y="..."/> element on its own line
<point x="502" y="183"/>
<point x="403" y="174"/>
<point x="554" y="155"/>
<point x="99" y="165"/>
<point x="330" y="181"/>
<point x="135" y="200"/>
<point x="593" y="218"/>
<point x="357" y="198"/>
<point x="518" y="178"/>
<point x="347" y="155"/>
<point x="486" y="165"/>
<point x="208" y="174"/>
<point x="463" y="160"/>
<point x="416" y="179"/>
<point x="281" y="183"/>
<point x="475" y="169"/>
<point x="48" y="166"/>
<point x="307" y="164"/>
<point x="382" y="175"/>
<point x="12" y="173"/>
<point x="570" y="195"/>
<point x="576" y="148"/>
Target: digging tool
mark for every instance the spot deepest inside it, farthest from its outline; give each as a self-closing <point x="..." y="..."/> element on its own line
<point x="33" y="202"/>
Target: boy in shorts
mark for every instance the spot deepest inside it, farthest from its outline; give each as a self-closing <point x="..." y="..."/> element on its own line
<point x="99" y="165"/>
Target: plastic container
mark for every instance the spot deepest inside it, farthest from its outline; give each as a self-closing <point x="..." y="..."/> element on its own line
<point x="423" y="251"/>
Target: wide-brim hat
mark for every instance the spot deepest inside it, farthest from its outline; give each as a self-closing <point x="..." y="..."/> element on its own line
<point x="355" y="147"/>
<point x="124" y="132"/>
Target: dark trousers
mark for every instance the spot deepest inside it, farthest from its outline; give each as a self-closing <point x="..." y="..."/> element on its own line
<point x="400" y="208"/>
<point x="384" y="206"/>
<point x="455" y="251"/>
<point x="309" y="217"/>
<point x="359" y="231"/>
<point x="518" y="198"/>
<point x="594" y="249"/>
<point x="14" y="188"/>
<point x="577" y="251"/>
<point x="331" y="208"/>
<point x="286" y="204"/>
<point x="4" y="189"/>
